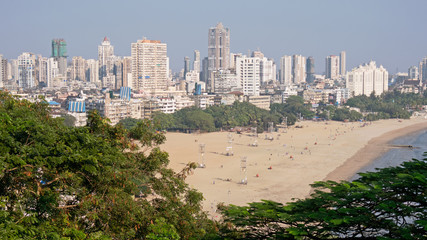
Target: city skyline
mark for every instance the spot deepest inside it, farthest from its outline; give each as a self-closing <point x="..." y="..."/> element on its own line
<point x="389" y="32"/>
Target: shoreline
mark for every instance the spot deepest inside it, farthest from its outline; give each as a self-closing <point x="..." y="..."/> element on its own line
<point x="284" y="164"/>
<point x="374" y="149"/>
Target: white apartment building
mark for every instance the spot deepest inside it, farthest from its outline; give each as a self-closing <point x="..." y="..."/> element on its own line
<point x="332" y="67"/>
<point x="298" y="69"/>
<point x="225" y="81"/>
<point x="52" y="72"/>
<point x="92" y="71"/>
<point x="366" y="79"/>
<point x="267" y="70"/>
<point x="343" y="63"/>
<point x="26" y="65"/>
<point x="167" y="105"/>
<point x="105" y="51"/>
<point x="78" y="69"/>
<point x="286" y="70"/>
<point x="248" y="72"/>
<point x="149" y="66"/>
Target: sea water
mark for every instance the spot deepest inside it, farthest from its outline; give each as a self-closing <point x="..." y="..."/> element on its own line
<point x="396" y="156"/>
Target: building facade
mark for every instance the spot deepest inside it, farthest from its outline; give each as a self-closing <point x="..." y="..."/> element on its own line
<point x="286" y="70"/>
<point x="105" y="53"/>
<point x="298" y="69"/>
<point x="343" y="63"/>
<point x="218" y="51"/>
<point x="26" y="65"/>
<point x="332" y="67"/>
<point x="367" y="79"/>
<point x="149" y="65"/>
<point x="248" y="72"/>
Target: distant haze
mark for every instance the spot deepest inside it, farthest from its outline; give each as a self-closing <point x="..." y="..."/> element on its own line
<point x="391" y="32"/>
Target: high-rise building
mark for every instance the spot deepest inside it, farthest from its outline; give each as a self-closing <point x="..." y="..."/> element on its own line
<point x="118" y="73"/>
<point x="218" y="51"/>
<point x="342" y="63"/>
<point x="105" y="54"/>
<point x="149" y="65"/>
<point x="59" y="52"/>
<point x="26" y="65"/>
<point x="286" y="70"/>
<point x="310" y="69"/>
<point x="298" y="69"/>
<point x="92" y="71"/>
<point x="59" y="48"/>
<point x="233" y="57"/>
<point x="422" y="71"/>
<point x="413" y="72"/>
<point x="186" y="65"/>
<point x="3" y="71"/>
<point x="52" y="72"/>
<point x="267" y="70"/>
<point x="204" y="74"/>
<point x="196" y="63"/>
<point x="40" y="71"/>
<point x="332" y="67"/>
<point x="248" y="74"/>
<point x="367" y="79"/>
<point x="127" y="71"/>
<point x="78" y="69"/>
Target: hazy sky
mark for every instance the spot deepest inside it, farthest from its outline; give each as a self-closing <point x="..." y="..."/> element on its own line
<point x="391" y="32"/>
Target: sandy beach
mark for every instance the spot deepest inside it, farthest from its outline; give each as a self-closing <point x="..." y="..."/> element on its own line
<point x="284" y="163"/>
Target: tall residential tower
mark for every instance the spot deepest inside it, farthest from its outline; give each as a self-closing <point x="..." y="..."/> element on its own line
<point x="149" y="65"/>
<point x="218" y="51"/>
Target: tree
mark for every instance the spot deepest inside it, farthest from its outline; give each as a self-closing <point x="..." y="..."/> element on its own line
<point x="69" y="120"/>
<point x="93" y="182"/>
<point x="128" y="123"/>
<point x="388" y="204"/>
<point x="163" y="120"/>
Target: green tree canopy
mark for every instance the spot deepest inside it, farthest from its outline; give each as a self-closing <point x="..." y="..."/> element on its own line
<point x="388" y="204"/>
<point x="92" y="182"/>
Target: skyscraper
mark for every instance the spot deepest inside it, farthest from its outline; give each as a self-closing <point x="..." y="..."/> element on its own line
<point x="332" y="67"/>
<point x="105" y="53"/>
<point x="342" y="63"/>
<point x="26" y="65"/>
<point x="422" y="70"/>
<point x="2" y="69"/>
<point x="367" y="79"/>
<point x="52" y="72"/>
<point x="186" y="65"/>
<point x="127" y="71"/>
<point x="218" y="51"/>
<point x="149" y="65"/>
<point x="59" y="53"/>
<point x="204" y="74"/>
<point x="196" y="63"/>
<point x="310" y="69"/>
<point x="92" y="71"/>
<point x="78" y="69"/>
<point x="286" y="70"/>
<point x="298" y="69"/>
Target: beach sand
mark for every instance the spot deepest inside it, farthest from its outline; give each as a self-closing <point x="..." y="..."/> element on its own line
<point x="283" y="168"/>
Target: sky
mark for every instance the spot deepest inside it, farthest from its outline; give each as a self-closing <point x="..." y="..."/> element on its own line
<point x="391" y="32"/>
